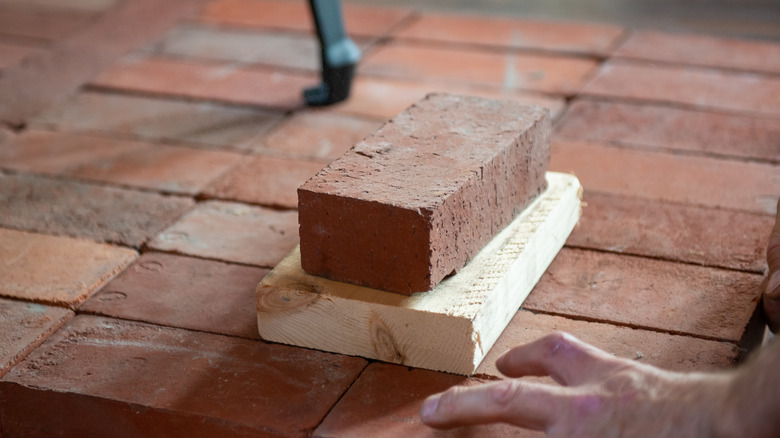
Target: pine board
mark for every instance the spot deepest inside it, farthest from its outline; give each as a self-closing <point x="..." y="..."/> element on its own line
<point x="450" y="328"/>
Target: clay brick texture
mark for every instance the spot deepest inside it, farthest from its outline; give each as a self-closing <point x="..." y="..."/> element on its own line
<point x="414" y="201"/>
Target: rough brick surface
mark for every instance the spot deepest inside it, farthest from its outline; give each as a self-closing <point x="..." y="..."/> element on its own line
<point x="196" y="123"/>
<point x="664" y="128"/>
<point x="183" y="292"/>
<point x="590" y="39"/>
<point x="56" y="270"/>
<point x="676" y="353"/>
<point x="101" y="377"/>
<point x="268" y="181"/>
<point x="173" y="169"/>
<point x="413" y="202"/>
<point x="705" y="236"/>
<point x="23" y="326"/>
<point x="651" y="294"/>
<point x="549" y="74"/>
<point x="232" y="232"/>
<point x="108" y="214"/>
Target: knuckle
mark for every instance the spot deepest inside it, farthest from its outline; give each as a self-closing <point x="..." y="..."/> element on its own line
<point x="449" y="401"/>
<point x="556" y="343"/>
<point x="505" y="396"/>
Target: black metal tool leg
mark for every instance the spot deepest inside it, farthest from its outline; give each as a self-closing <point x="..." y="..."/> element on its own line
<point x="339" y="54"/>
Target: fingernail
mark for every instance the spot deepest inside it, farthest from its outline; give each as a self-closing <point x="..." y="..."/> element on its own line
<point x="428" y="408"/>
<point x="773" y="287"/>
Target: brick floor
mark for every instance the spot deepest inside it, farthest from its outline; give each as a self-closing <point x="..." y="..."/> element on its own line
<point x="147" y="183"/>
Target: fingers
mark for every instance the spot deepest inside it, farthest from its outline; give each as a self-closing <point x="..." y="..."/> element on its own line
<point x="773" y="259"/>
<point x="561" y="356"/>
<point x="523" y="404"/>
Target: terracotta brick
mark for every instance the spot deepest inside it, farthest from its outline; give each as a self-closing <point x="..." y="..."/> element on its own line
<point x="23" y="326"/>
<point x="384" y="98"/>
<point x="550" y="74"/>
<point x="416" y="200"/>
<point x="232" y="232"/>
<point x="698" y="87"/>
<point x="11" y="54"/>
<point x="210" y="80"/>
<point x="704" y="236"/>
<point x="582" y="38"/>
<point x="56" y="270"/>
<point x="295" y="15"/>
<point x="98" y="376"/>
<point x="183" y="292"/>
<point x="701" y="181"/>
<point x="166" y="168"/>
<point x="661" y="127"/>
<point x="273" y="48"/>
<point x="705" y="50"/>
<point x="268" y="181"/>
<point x="106" y="214"/>
<point x="318" y="135"/>
<point x="385" y="402"/>
<point x="651" y="294"/>
<point x="41" y="25"/>
<point x="196" y="123"/>
<point x="672" y="352"/>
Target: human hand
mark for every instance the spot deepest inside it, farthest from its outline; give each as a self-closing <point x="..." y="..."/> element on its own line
<point x="599" y="395"/>
<point x="771" y="285"/>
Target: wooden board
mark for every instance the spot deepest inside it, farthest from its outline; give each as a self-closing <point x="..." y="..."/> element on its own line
<point x="450" y="328"/>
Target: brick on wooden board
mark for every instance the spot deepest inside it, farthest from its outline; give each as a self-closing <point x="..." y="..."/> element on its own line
<point x="691" y="86"/>
<point x="204" y="124"/>
<point x="672" y="352"/>
<point x="56" y="270"/>
<point x="264" y="180"/>
<point x="569" y="37"/>
<point x="23" y="326"/>
<point x="386" y="97"/>
<point x="232" y="232"/>
<point x="385" y="401"/>
<point x="183" y="292"/>
<point x="685" y="233"/>
<point x="414" y="201"/>
<point x="678" y="178"/>
<point x="705" y="50"/>
<point x="544" y="73"/>
<point x="651" y="294"/>
<point x="174" y="169"/>
<point x="97" y="376"/>
<point x="662" y="127"/>
<point x="100" y="213"/>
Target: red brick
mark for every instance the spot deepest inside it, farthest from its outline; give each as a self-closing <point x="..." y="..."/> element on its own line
<point x="651" y="294"/>
<point x="698" y="87"/>
<point x="106" y="214"/>
<point x="11" y="54"/>
<point x="273" y="48"/>
<point x="516" y="33"/>
<point x="702" y="181"/>
<point x="550" y="74"/>
<point x="268" y="181"/>
<point x="56" y="270"/>
<point x="195" y="123"/>
<point x="318" y="135"/>
<point x="98" y="376"/>
<point x="218" y="81"/>
<point x="295" y="15"/>
<point x="385" y="402"/>
<point x="660" y="127"/>
<point x="416" y="200"/>
<point x="183" y="292"/>
<point x="172" y="169"/>
<point x="23" y="326"/>
<point x="384" y="98"/>
<point x="232" y="232"/>
<point x="672" y="352"/>
<point x="704" y="236"/>
<point x="705" y="50"/>
<point x="41" y="25"/>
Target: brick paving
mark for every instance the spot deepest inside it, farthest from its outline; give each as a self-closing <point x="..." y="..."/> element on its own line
<point x="147" y="183"/>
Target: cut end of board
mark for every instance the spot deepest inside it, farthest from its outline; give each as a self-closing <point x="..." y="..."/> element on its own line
<point x="450" y="328"/>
